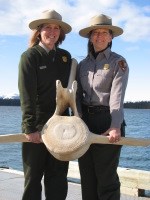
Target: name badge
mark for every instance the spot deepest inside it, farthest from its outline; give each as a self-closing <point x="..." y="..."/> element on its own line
<point x="42" y="67"/>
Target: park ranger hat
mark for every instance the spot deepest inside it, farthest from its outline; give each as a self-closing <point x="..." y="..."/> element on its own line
<point x="101" y="21"/>
<point x="50" y="16"/>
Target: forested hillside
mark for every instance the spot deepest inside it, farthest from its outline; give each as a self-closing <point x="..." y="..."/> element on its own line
<point x="135" y="105"/>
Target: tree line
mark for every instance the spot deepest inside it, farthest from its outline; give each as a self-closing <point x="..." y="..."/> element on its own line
<point x="134" y="105"/>
<point x="137" y="105"/>
<point x="9" y="102"/>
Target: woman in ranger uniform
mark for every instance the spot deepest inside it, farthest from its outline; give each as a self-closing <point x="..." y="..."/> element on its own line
<point x="102" y="79"/>
<point x="39" y="68"/>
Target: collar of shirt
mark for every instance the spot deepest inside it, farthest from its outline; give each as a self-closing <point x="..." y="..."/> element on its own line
<point x="44" y="47"/>
<point x="105" y="53"/>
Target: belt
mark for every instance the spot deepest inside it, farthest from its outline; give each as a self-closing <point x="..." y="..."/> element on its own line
<point x="94" y="109"/>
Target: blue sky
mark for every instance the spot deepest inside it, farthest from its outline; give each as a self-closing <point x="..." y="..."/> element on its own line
<point x="132" y="15"/>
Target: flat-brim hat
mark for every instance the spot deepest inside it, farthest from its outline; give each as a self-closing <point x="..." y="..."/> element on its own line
<point x="50" y="16"/>
<point x="101" y="21"/>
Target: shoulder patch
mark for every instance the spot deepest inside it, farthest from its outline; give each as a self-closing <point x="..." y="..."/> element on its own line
<point x="122" y="65"/>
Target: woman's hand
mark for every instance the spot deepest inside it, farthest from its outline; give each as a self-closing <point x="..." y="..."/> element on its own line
<point x="113" y="134"/>
<point x="34" y="137"/>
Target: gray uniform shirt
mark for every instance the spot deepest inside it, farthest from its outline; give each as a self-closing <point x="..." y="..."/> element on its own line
<point x="103" y="81"/>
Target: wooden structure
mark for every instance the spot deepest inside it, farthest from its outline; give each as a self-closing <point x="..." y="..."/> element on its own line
<point x="133" y="182"/>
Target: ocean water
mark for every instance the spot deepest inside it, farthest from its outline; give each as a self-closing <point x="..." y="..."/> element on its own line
<point x="138" y="126"/>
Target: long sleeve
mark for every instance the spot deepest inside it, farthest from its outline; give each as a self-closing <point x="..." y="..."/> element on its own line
<point x="118" y="92"/>
<point x="27" y="83"/>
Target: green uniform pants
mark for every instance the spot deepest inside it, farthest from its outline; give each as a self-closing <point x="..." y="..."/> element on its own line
<point x="38" y="163"/>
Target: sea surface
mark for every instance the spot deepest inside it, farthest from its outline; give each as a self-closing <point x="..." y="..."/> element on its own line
<point x="138" y="126"/>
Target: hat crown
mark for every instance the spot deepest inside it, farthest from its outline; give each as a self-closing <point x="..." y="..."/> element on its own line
<point x="51" y="14"/>
<point x="100" y="20"/>
<point x="52" y="17"/>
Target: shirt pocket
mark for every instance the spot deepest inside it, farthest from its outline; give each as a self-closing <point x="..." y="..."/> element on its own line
<point x="84" y="78"/>
<point x="103" y="80"/>
<point x="105" y="73"/>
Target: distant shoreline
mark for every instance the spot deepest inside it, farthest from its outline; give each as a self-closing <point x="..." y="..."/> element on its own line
<point x="9" y="102"/>
<point x="134" y="105"/>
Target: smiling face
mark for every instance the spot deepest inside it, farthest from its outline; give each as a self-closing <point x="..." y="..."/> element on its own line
<point x="49" y="35"/>
<point x="100" y="38"/>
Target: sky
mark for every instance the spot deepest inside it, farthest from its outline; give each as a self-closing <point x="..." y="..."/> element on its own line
<point x="133" y="16"/>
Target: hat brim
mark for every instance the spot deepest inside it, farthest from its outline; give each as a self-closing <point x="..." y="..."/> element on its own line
<point x="65" y="27"/>
<point x="115" y="29"/>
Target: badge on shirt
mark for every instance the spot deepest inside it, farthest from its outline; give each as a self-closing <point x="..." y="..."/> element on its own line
<point x="64" y="58"/>
<point x="122" y="65"/>
<point x="106" y="67"/>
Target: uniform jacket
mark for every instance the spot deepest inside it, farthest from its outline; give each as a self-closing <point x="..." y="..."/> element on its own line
<point x="38" y="72"/>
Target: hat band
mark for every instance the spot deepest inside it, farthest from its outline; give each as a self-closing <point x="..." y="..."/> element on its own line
<point x="103" y="24"/>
